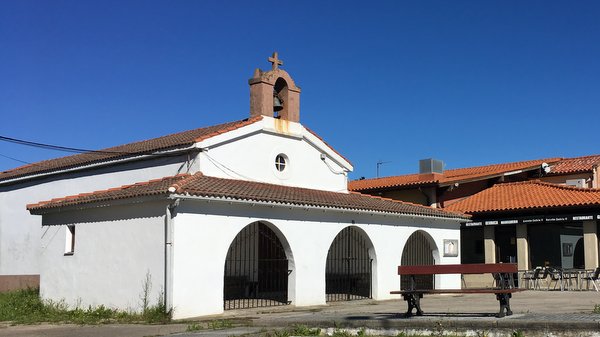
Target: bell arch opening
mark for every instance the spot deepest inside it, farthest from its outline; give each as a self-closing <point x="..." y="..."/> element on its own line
<point x="349" y="267"/>
<point x="256" y="269"/>
<point x="280" y="98"/>
<point x="420" y="249"/>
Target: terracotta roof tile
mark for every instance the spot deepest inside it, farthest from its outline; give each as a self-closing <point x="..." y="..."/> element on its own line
<point x="575" y="165"/>
<point x="527" y="195"/>
<point x="449" y="176"/>
<point x="211" y="187"/>
<point x="177" y="140"/>
<point x="152" y="187"/>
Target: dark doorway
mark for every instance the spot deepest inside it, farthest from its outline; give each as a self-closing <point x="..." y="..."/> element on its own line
<point x="418" y="251"/>
<point x="348" y="270"/>
<point x="578" y="255"/>
<point x="256" y="269"/>
<point x="506" y="244"/>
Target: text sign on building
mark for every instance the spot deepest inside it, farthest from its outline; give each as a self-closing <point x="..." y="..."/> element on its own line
<point x="533" y="220"/>
<point x="473" y="224"/>
<point x="583" y="217"/>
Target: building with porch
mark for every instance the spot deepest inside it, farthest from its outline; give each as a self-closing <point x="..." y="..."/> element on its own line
<point x="532" y="223"/>
<point x="536" y="213"/>
<point x="243" y="214"/>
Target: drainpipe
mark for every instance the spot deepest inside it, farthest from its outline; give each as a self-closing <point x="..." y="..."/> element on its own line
<point x="168" y="281"/>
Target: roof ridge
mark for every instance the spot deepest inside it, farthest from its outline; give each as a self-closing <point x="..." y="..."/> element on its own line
<point x="552" y="160"/>
<point x="387" y="177"/>
<point x="582" y="157"/>
<point x="548" y="184"/>
<point x="242" y="123"/>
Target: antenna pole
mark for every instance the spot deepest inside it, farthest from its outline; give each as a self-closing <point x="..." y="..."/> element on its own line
<point x="379" y="163"/>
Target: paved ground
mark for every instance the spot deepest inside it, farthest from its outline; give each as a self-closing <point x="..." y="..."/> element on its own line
<point x="536" y="313"/>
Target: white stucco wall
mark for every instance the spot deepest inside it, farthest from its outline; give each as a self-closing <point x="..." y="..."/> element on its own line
<point x="203" y="232"/>
<point x="114" y="250"/>
<point x="249" y="154"/>
<point x="20" y="231"/>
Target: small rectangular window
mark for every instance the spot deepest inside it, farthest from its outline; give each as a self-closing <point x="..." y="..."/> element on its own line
<point x="70" y="240"/>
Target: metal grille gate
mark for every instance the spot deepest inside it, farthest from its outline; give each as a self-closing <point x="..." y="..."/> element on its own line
<point x="417" y="251"/>
<point x="348" y="270"/>
<point x="256" y="270"/>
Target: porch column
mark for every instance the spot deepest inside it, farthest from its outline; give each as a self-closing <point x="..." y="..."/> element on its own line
<point x="522" y="247"/>
<point x="590" y="244"/>
<point x="489" y="242"/>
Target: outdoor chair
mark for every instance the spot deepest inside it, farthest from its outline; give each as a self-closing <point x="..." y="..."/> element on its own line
<point x="592" y="276"/>
<point x="570" y="279"/>
<point x="531" y="276"/>
<point x="556" y="276"/>
<point x="541" y="276"/>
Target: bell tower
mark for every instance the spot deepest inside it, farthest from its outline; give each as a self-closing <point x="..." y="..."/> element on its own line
<point x="273" y="93"/>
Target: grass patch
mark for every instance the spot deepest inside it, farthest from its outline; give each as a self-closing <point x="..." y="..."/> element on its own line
<point x="26" y="307"/>
<point x="303" y="330"/>
<point x="219" y="324"/>
<point x="596" y="309"/>
<point x="296" y="330"/>
<point x="194" y="327"/>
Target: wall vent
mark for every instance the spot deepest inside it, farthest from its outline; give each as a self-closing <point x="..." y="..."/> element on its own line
<point x="428" y="166"/>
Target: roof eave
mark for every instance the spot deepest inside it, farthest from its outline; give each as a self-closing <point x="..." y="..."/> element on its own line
<point x="100" y="163"/>
<point x="452" y="216"/>
<point x="49" y="209"/>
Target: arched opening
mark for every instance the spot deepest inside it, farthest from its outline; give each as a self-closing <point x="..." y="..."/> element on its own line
<point x="348" y="272"/>
<point x="256" y="269"/>
<point x="418" y="250"/>
<point x="280" y="98"/>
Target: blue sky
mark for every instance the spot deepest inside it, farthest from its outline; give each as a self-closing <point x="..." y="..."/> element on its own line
<point x="467" y="82"/>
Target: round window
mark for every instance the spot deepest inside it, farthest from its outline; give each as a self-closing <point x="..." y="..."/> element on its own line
<point x="281" y="162"/>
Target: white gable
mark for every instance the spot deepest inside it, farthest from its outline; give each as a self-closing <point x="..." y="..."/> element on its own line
<point x="249" y="153"/>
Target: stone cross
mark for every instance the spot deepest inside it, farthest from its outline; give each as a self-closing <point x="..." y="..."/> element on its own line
<point x="276" y="62"/>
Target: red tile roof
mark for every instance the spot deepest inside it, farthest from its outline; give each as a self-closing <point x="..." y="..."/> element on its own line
<point x="449" y="176"/>
<point x="575" y="165"/>
<point x="147" y="188"/>
<point x="173" y="141"/>
<point x="527" y="195"/>
<point x="210" y="187"/>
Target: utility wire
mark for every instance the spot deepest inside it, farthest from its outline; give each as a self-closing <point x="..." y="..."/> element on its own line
<point x="15" y="159"/>
<point x="56" y="147"/>
<point x="79" y="150"/>
<point x="223" y="168"/>
<point x="73" y="150"/>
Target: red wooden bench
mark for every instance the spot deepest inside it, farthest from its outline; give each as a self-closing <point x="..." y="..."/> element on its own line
<point x="503" y="286"/>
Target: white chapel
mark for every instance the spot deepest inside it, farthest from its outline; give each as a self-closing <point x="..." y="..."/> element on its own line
<point x="250" y="213"/>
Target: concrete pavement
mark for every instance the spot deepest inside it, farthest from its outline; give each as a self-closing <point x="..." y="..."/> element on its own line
<point x="536" y="313"/>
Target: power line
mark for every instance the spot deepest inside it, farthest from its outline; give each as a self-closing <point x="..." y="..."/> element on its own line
<point x="15" y="159"/>
<point x="74" y="150"/>
<point x="56" y="147"/>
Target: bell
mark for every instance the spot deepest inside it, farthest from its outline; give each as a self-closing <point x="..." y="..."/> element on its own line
<point x="277" y="103"/>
